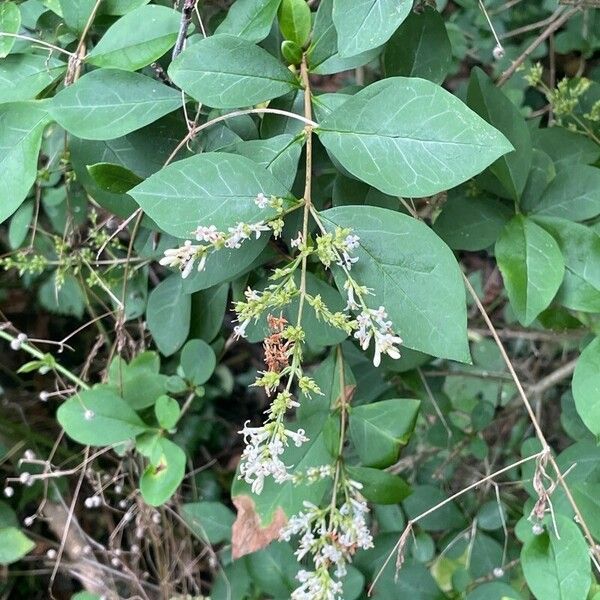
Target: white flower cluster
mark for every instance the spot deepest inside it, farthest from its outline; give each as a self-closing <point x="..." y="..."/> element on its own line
<point x="265" y="445"/>
<point x="351" y="242"/>
<point x="184" y="258"/>
<point x="374" y="324"/>
<point x="331" y="537"/>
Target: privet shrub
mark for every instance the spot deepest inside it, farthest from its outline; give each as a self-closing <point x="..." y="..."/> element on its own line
<point x="293" y="292"/>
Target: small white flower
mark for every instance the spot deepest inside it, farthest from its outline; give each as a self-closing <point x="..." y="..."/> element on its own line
<point x="44" y="396"/>
<point x="261" y="200"/>
<point x="498" y="572"/>
<point x="9" y="492"/>
<point x="295" y="243"/>
<point x="239" y="331"/>
<point x="17" y="342"/>
<point x="89" y="414"/>
<point x="25" y="478"/>
<point x="51" y="554"/>
<point x="352" y="242"/>
<point x="207" y="234"/>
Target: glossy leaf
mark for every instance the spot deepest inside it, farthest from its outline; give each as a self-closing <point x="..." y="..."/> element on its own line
<point x="418" y="282"/>
<point x="541" y="173"/>
<point x="573" y="194"/>
<point x="21" y="128"/>
<point x="490" y="103"/>
<point x="198" y="361"/>
<point x="557" y="568"/>
<point x="425" y="497"/>
<point x="113" y="178"/>
<point x="110" y="421"/>
<point x="10" y="22"/>
<point x="419" y="48"/>
<point x="295" y="20"/>
<point x="380" y="487"/>
<point x="379" y="430"/>
<point x="365" y="24"/>
<point x="14" y="545"/>
<point x="250" y="19"/>
<point x="207" y="189"/>
<point x="168" y="314"/>
<point x="224" y="71"/>
<point x="210" y="521"/>
<point x="580" y="247"/>
<point x="163" y="476"/>
<point x="532" y="267"/>
<point x="110" y="103"/>
<point x="430" y="141"/>
<point x="77" y="13"/>
<point x="137" y="39"/>
<point x="586" y="387"/>
<point x="24" y="76"/>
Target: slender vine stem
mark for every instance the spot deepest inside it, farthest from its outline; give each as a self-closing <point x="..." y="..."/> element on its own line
<point x="31" y="350"/>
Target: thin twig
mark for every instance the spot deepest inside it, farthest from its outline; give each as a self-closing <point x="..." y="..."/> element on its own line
<point x="538" y="40"/>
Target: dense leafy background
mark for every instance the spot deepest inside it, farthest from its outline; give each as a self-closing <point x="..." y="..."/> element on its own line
<point x="438" y="162"/>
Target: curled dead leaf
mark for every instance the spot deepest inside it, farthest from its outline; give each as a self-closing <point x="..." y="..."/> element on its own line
<point x="247" y="533"/>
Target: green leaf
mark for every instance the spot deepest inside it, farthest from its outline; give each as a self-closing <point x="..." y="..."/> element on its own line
<point x="110" y="421"/>
<point x="10" y="22"/>
<point x="379" y="430"/>
<point x="76" y="13"/>
<point x="380" y="487"/>
<point x="471" y="222"/>
<point x="419" y="48"/>
<point x="365" y="24"/>
<point x="19" y="224"/>
<point x="323" y="56"/>
<point x="573" y="194"/>
<point x="586" y="387"/>
<point x="490" y="103"/>
<point x="137" y="39"/>
<point x="163" y="476"/>
<point x="542" y="172"/>
<point x="14" y="545"/>
<point x="208" y="311"/>
<point x="21" y="128"/>
<point x="295" y="20"/>
<point x="429" y="143"/>
<point x="24" y="76"/>
<point x="557" y="568"/>
<point x="207" y="189"/>
<point x="532" y="267"/>
<point x="250" y="19"/>
<point x="110" y="103"/>
<point x="119" y="7"/>
<point x="210" y="521"/>
<point x="414" y="275"/>
<point x="224" y="71"/>
<point x="425" y="497"/>
<point x="496" y="590"/>
<point x="279" y="155"/>
<point x="566" y="147"/>
<point x="140" y="382"/>
<point x="198" y="361"/>
<point x="64" y="298"/>
<point x="580" y="247"/>
<point x="113" y="178"/>
<point x="167" y="412"/>
<point x="168" y="314"/>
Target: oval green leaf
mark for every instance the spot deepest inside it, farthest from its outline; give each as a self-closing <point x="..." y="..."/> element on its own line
<point x="137" y="39"/>
<point x="429" y="142"/>
<point x="414" y="275"/>
<point x="225" y="71"/>
<point x="109" y="103"/>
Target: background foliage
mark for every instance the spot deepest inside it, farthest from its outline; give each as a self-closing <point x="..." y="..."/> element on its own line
<point x="459" y="140"/>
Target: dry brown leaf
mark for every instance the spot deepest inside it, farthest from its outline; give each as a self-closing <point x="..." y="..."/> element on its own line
<point x="247" y="534"/>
